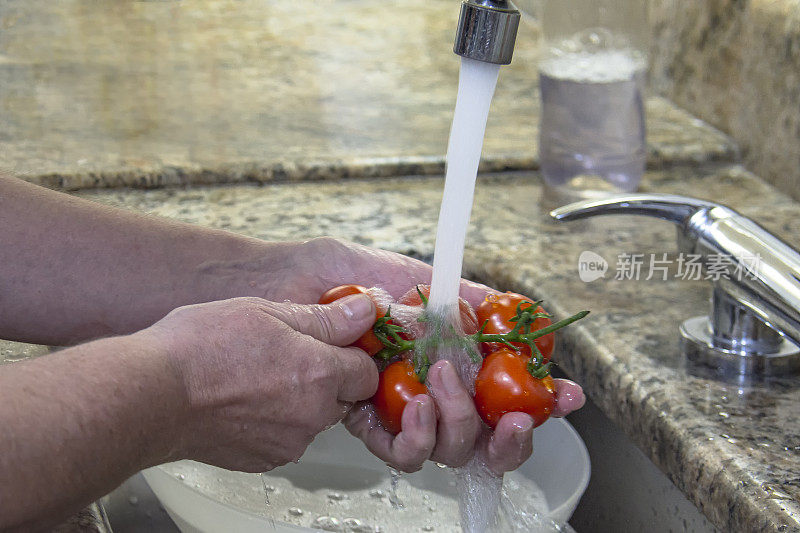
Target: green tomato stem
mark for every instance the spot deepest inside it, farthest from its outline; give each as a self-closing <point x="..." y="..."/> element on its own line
<point x="516" y="336"/>
<point x="394" y="344"/>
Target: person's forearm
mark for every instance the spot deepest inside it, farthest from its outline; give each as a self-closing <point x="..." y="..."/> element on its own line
<point x="75" y="424"/>
<point x="72" y="270"/>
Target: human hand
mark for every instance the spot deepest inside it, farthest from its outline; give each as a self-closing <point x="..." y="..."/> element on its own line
<point x="444" y="430"/>
<point x="320" y="264"/>
<point x="448" y="429"/>
<point x="261" y="378"/>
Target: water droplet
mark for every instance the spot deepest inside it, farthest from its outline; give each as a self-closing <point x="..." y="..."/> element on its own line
<point x="327" y="523"/>
<point x="267" y="489"/>
<point x="337" y="496"/>
<point x="180" y="476"/>
<point x="353" y="524"/>
<point x="133" y="500"/>
<point x="723" y="414"/>
<point x="432" y="509"/>
<point x="732" y="440"/>
<point x="295" y="511"/>
<point x="774" y="493"/>
<point x="426" y="497"/>
<point x="376" y="493"/>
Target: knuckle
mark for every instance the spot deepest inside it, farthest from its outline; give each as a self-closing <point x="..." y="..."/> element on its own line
<point x="455" y="458"/>
<point x="327" y="243"/>
<point x="408" y="466"/>
<point x="324" y="322"/>
<point x="461" y="415"/>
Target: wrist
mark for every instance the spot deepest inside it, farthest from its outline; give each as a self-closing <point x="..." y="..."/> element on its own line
<point x="165" y="428"/>
<point x="248" y="267"/>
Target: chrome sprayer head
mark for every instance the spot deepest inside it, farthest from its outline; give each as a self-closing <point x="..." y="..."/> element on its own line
<point x="487" y="30"/>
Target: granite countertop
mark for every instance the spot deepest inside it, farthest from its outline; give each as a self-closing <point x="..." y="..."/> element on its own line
<point x="155" y="93"/>
<point x="733" y="451"/>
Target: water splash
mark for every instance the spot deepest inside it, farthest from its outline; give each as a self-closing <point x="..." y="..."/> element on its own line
<point x="479" y="492"/>
<point x="394" y="480"/>
<point x="266" y="490"/>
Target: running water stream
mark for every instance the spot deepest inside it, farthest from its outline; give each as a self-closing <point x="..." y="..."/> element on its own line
<point x="476" y="84"/>
<point x="480" y="490"/>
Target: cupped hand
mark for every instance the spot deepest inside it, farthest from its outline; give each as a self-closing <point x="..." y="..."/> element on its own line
<point x="445" y="429"/>
<point x="261" y="378"/>
<point x="448" y="429"/>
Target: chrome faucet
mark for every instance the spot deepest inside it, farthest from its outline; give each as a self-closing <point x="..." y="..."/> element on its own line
<point x="487" y="30"/>
<point x="752" y="314"/>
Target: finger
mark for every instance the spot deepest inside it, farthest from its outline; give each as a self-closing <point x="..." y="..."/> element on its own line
<point x="356" y="374"/>
<point x="407" y="451"/>
<point x="459" y="423"/>
<point x="511" y="444"/>
<point x="339" y="323"/>
<point x="331" y="413"/>
<point x="569" y="397"/>
<point x="474" y="293"/>
<point x="362" y="422"/>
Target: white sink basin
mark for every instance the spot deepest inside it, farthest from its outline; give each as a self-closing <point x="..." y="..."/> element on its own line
<point x="201" y="498"/>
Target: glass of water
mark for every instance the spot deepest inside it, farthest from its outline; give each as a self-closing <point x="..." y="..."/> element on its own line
<point x="591" y="76"/>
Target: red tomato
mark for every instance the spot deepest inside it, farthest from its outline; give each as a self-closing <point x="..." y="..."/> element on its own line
<point x="396" y="386"/>
<point x="368" y="341"/>
<point x="498" y="309"/>
<point x="469" y="322"/>
<point x="504" y="385"/>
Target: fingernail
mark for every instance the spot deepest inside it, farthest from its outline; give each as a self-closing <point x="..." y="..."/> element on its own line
<point x="357" y="307"/>
<point x="521" y="433"/>
<point x="450" y="380"/>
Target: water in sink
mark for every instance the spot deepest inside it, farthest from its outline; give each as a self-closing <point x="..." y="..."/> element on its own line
<point x="343" y="498"/>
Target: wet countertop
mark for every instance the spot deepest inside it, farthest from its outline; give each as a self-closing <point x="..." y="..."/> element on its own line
<point x="734" y="451"/>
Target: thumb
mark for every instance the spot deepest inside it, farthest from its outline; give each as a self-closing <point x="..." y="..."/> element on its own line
<point x="339" y="323"/>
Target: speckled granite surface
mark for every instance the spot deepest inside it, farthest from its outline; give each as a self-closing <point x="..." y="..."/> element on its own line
<point x="736" y="63"/>
<point x="734" y="452"/>
<point x="102" y="94"/>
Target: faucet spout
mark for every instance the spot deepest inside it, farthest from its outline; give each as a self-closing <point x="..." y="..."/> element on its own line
<point x="487" y="30"/>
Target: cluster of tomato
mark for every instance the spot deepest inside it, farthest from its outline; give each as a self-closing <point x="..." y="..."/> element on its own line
<point x="504" y="382"/>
